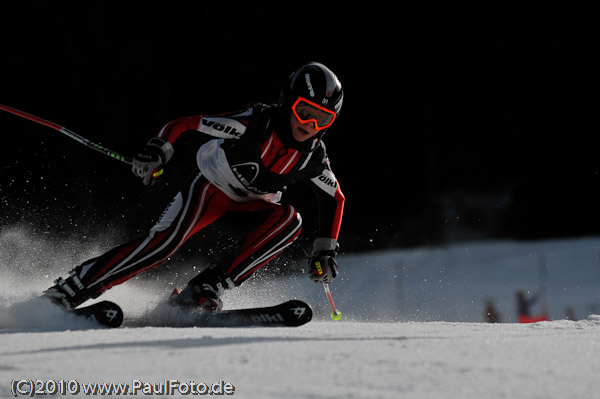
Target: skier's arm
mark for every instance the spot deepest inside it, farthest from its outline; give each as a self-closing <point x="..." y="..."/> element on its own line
<point x="187" y="132"/>
<point x="149" y="161"/>
<point x="225" y="126"/>
<point x="323" y="267"/>
<point x="331" y="206"/>
<point x="173" y="130"/>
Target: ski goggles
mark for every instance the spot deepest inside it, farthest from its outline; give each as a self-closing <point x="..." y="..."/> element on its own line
<point x="308" y="111"/>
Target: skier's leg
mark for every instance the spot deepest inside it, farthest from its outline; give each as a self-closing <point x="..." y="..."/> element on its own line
<point x="280" y="229"/>
<point x="268" y="228"/>
<point x="198" y="205"/>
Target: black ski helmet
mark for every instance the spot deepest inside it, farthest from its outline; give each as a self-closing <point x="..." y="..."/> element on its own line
<point x="316" y="83"/>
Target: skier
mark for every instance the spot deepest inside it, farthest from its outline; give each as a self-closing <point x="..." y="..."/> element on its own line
<point x="243" y="162"/>
<point x="524" y="305"/>
<point x="490" y="313"/>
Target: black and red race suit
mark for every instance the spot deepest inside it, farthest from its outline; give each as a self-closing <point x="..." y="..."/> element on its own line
<point x="242" y="167"/>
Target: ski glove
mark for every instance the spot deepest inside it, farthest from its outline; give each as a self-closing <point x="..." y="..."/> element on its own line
<point x="147" y="164"/>
<point x="323" y="268"/>
<point x="322" y="265"/>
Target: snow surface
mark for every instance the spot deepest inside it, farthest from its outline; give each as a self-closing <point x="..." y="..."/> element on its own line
<point x="325" y="359"/>
<point x="432" y="345"/>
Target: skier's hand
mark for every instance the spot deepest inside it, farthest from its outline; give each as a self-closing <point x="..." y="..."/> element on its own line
<point x="148" y="163"/>
<point x="322" y="267"/>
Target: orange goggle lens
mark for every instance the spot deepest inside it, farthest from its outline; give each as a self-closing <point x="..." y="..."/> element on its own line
<point x="307" y="111"/>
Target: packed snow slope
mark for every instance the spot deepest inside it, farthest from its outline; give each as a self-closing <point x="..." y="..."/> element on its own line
<point x="325" y="359"/>
<point x="411" y="329"/>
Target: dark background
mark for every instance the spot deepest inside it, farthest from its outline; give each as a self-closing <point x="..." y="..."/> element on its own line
<point x="460" y="122"/>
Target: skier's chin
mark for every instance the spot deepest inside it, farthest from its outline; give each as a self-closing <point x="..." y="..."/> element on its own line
<point x="301" y="135"/>
<point x="302" y="131"/>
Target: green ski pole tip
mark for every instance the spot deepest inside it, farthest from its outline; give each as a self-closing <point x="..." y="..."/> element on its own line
<point x="337" y="315"/>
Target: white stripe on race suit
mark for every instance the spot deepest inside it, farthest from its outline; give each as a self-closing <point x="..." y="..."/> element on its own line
<point x="288" y="163"/>
<point x="283" y="225"/>
<point x="262" y="156"/>
<point x="280" y="246"/>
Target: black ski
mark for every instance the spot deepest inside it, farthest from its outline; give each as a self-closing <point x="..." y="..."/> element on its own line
<point x="105" y="313"/>
<point x="292" y="313"/>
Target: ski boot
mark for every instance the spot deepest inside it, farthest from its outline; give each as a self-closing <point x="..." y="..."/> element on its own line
<point x="203" y="298"/>
<point x="68" y="293"/>
<point x="203" y="292"/>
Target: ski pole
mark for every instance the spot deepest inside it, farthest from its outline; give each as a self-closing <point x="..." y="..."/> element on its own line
<point x="335" y="314"/>
<point x="68" y="133"/>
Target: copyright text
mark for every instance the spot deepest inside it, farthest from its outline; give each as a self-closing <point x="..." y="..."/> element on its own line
<point x="33" y="387"/>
